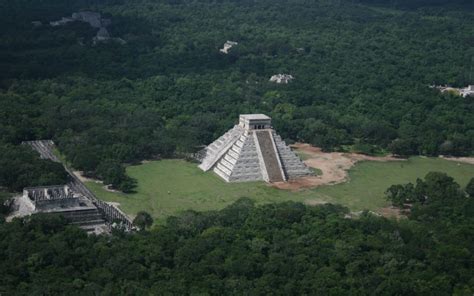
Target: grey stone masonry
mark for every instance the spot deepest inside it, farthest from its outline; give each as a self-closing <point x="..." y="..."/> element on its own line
<point x="240" y="163"/>
<point x="291" y="163"/>
<point x="110" y="213"/>
<point x="217" y="148"/>
<point x="252" y="151"/>
<point x="270" y="156"/>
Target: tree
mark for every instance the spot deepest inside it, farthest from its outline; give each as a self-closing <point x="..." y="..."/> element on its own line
<point x="143" y="220"/>
<point x="20" y="167"/>
<point x="400" y="194"/>
<point x="402" y="147"/>
<point x="439" y="186"/>
<point x="435" y="188"/>
<point x="112" y="172"/>
<point x="470" y="188"/>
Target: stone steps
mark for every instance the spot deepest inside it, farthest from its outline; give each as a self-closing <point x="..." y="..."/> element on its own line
<point x="239" y="163"/>
<point x="81" y="215"/>
<point x="87" y="219"/>
<point x="88" y="222"/>
<point x="235" y="157"/>
<point x="270" y="157"/>
<point x="291" y="163"/>
<point x="216" y="150"/>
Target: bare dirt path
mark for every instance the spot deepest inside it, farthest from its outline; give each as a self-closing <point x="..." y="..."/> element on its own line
<point x="83" y="179"/>
<point x="469" y="160"/>
<point x="79" y="174"/>
<point x="333" y="165"/>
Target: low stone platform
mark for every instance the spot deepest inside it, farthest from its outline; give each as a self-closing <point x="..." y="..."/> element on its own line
<point x="60" y="200"/>
<point x="110" y="213"/>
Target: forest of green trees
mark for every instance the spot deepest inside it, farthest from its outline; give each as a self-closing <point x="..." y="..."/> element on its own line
<point x="362" y="71"/>
<point x="277" y="249"/>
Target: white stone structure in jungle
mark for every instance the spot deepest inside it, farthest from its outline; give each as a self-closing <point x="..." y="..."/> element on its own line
<point x="252" y="151"/>
<point x="281" y="78"/>
<point x="463" y="92"/>
<point x="227" y="46"/>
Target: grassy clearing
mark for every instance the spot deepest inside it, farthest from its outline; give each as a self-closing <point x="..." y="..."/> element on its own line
<point x="168" y="187"/>
<point x="368" y="180"/>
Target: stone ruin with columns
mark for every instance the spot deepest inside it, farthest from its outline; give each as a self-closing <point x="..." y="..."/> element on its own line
<point x="74" y="201"/>
<point x="60" y="200"/>
<point x="252" y="151"/>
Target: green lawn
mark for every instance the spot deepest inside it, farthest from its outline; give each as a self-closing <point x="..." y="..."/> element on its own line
<point x="167" y="187"/>
<point x="369" y="180"/>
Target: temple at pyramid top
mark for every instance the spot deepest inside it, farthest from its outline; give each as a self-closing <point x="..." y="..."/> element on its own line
<point x="252" y="151"/>
<point x="255" y="121"/>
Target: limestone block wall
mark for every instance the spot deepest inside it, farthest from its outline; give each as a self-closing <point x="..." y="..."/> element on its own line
<point x="238" y="156"/>
<point x="219" y="147"/>
<point x="240" y="163"/>
<point x="292" y="164"/>
<point x="53" y="204"/>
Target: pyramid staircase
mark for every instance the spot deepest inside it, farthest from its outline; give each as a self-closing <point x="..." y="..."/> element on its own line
<point x="245" y="154"/>
<point x="241" y="162"/>
<point x="270" y="156"/>
<point x="215" y="151"/>
<point x="291" y="163"/>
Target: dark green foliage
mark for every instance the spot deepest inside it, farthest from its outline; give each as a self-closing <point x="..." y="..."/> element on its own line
<point x="403" y="147"/>
<point x="364" y="148"/>
<point x="361" y="68"/>
<point x="4" y="205"/>
<point x="143" y="220"/>
<point x="21" y="167"/>
<point x="113" y="173"/>
<point x="400" y="195"/>
<point x="278" y="249"/>
<point x="470" y="188"/>
<point x="433" y="189"/>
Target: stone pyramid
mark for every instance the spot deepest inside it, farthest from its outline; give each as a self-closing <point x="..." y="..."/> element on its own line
<point x="252" y="151"/>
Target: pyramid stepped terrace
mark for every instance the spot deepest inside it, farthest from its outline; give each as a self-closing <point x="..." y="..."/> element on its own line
<point x="252" y="151"/>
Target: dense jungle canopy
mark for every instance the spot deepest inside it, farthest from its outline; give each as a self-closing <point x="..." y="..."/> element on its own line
<point x="277" y="249"/>
<point x="362" y="71"/>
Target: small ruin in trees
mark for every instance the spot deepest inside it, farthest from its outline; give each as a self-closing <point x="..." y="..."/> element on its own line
<point x="227" y="46"/>
<point x="463" y="92"/>
<point x="281" y="78"/>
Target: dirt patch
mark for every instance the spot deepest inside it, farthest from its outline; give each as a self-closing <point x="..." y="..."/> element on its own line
<point x="110" y="189"/>
<point x="392" y="212"/>
<point x="469" y="160"/>
<point x="83" y="179"/>
<point x="314" y="202"/>
<point x="333" y="165"/>
<point x="113" y="203"/>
